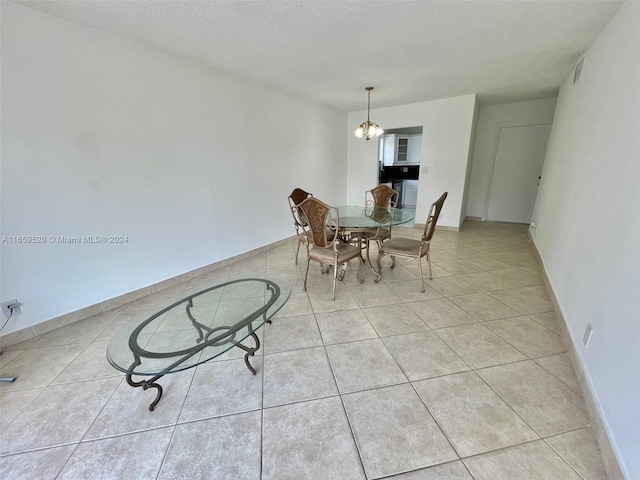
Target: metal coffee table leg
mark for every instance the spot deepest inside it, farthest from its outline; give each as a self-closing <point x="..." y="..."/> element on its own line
<point x="250" y="351"/>
<point x="145" y="384"/>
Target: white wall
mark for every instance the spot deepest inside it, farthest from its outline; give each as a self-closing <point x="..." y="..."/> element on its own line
<point x="491" y="118"/>
<point x="446" y="139"/>
<point x="588" y="232"/>
<point x="101" y="136"/>
<point x="472" y="147"/>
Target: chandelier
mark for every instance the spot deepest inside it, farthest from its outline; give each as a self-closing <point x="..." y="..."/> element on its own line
<point x="368" y="129"/>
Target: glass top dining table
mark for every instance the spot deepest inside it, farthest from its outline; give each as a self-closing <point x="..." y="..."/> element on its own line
<point x="355" y="221"/>
<point x="367" y="217"/>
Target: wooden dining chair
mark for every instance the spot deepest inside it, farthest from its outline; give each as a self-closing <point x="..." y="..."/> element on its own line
<point x="321" y="220"/>
<point x="411" y="248"/>
<point x="378" y="200"/>
<point x="296" y="197"/>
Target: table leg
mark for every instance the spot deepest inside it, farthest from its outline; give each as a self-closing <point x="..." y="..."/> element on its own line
<point x="366" y="261"/>
<point x="146" y="384"/>
<point x="250" y="351"/>
<point x="378" y="272"/>
<point x="151" y="383"/>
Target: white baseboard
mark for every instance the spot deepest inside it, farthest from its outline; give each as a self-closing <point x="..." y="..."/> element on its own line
<point x="444" y="228"/>
<point x="115" y="302"/>
<point x="609" y="457"/>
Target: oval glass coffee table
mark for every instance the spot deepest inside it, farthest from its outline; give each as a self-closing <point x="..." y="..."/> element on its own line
<point x="198" y="325"/>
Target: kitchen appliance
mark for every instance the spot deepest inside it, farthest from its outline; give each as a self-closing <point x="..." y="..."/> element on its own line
<point x="397" y="186"/>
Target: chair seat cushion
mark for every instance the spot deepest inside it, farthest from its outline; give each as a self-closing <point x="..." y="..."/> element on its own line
<point x="327" y="255"/>
<point x="402" y="246"/>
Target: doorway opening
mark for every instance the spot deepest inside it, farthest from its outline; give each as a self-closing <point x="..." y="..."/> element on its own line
<point x="399" y="156"/>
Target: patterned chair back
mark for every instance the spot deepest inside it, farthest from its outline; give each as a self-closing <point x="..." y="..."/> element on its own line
<point x="321" y="219"/>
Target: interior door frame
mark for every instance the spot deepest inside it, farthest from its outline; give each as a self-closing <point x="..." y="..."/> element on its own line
<point x="494" y="153"/>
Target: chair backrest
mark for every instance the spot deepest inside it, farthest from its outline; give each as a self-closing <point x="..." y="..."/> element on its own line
<point x="381" y="196"/>
<point x="321" y="219"/>
<point x="432" y="218"/>
<point x="296" y="197"/>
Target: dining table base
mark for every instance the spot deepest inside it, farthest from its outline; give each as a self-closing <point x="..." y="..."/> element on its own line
<point x="356" y="236"/>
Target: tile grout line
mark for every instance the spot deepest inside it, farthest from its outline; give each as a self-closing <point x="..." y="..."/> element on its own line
<point x="87" y="431"/>
<point x="556" y="376"/>
<point x="367" y="389"/>
<point x="339" y="394"/>
<point x="540" y="436"/>
<point x="562" y="457"/>
<point x="262" y="406"/>
<point x="446" y="436"/>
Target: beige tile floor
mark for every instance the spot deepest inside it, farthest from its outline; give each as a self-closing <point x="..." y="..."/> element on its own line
<point x="469" y="380"/>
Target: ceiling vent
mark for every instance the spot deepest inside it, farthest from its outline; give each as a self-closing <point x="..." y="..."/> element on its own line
<point x="578" y="71"/>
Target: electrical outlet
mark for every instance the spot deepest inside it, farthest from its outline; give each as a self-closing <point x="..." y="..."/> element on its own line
<point x="7" y="311"/>
<point x="587" y="335"/>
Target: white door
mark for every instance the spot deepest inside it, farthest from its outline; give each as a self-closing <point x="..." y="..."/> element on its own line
<point x="517" y="169"/>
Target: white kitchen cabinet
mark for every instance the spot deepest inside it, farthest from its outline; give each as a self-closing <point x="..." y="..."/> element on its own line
<point x="389" y="149"/>
<point x="415" y="149"/>
<point x="401" y="149"/>
<point x="410" y="193"/>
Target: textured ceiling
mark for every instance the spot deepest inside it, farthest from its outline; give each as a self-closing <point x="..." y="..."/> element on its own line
<point x="411" y="51"/>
